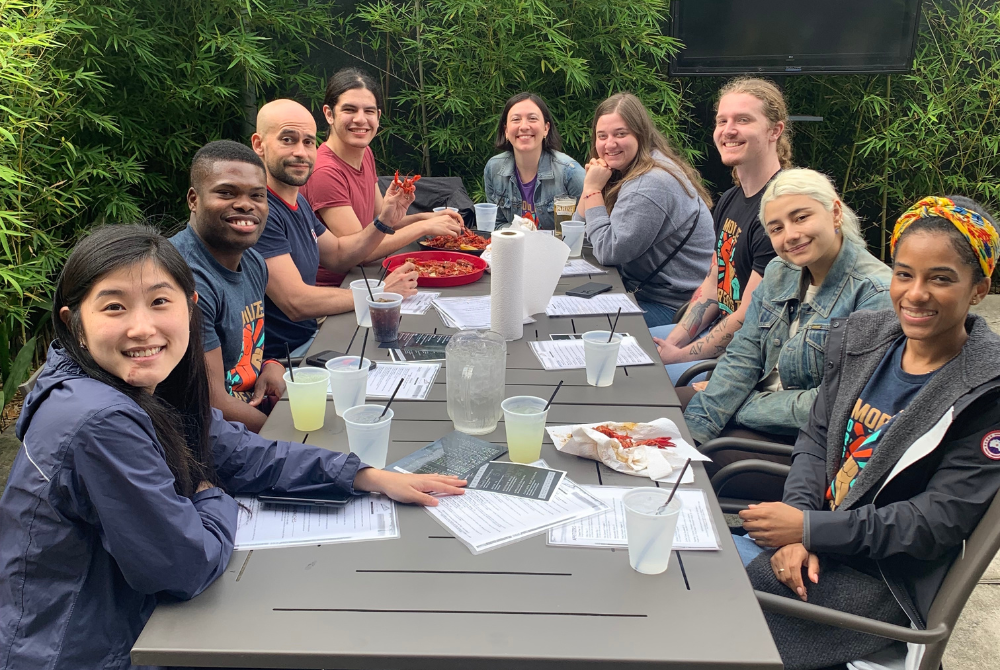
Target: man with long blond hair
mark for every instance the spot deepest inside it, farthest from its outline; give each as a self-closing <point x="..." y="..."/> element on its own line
<point x="752" y="137"/>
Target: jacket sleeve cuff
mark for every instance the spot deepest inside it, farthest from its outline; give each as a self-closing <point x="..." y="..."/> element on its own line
<point x="361" y="466"/>
<point x="214" y="492"/>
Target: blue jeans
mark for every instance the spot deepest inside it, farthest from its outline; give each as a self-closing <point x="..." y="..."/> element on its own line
<point x="657" y="314"/>
<point x="747" y="549"/>
<point x="675" y="370"/>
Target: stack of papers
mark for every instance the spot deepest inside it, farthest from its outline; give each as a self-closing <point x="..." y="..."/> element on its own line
<point x="607" y="303"/>
<point x="576" y="267"/>
<point x="483" y="521"/>
<point x="418" y="304"/>
<point x="472" y="313"/>
<point x="695" y="530"/>
<point x="569" y="354"/>
<point x="371" y="517"/>
<point x="418" y="378"/>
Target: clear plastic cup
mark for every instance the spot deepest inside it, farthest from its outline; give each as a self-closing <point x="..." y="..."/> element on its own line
<point x="367" y="435"/>
<point x="307" y="397"/>
<point x="348" y="384"/>
<point x="650" y="535"/>
<point x="573" y="234"/>
<point x="524" y="421"/>
<point x="486" y="216"/>
<point x="360" y="294"/>
<point x="601" y="356"/>
<point x="384" y="312"/>
<point x="562" y="210"/>
<point x="441" y="209"/>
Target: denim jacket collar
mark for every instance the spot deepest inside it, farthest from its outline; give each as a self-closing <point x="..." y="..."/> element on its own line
<point x="828" y="294"/>
<point x="545" y="170"/>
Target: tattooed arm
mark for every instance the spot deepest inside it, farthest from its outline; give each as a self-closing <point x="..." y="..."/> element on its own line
<point x="715" y="341"/>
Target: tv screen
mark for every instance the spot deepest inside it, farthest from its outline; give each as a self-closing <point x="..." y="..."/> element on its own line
<point x="794" y="36"/>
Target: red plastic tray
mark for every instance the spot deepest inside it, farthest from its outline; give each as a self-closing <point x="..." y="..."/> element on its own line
<point x="393" y="262"/>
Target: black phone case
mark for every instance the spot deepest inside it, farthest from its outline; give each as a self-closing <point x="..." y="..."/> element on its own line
<point x="588" y="290"/>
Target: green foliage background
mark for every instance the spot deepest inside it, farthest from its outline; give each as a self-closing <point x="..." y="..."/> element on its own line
<point x="103" y="102"/>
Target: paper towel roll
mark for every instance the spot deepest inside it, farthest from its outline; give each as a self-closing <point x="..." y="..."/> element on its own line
<point x="507" y="284"/>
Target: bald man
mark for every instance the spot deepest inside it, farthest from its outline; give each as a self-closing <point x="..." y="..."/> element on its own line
<point x="295" y="243"/>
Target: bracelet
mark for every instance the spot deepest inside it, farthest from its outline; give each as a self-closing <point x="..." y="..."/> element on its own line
<point x="271" y="360"/>
<point x="591" y="193"/>
<point x="381" y="227"/>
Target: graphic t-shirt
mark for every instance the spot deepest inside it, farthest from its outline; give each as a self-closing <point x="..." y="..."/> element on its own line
<point x="527" y="195"/>
<point x="232" y="310"/>
<point x="335" y="183"/>
<point x="886" y="394"/>
<point x="295" y="230"/>
<point x="742" y="245"/>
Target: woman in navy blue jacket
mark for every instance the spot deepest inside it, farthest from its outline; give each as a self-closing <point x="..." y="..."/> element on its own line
<point x="121" y="490"/>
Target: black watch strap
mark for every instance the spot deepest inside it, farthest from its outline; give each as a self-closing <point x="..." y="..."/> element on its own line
<point x="384" y="228"/>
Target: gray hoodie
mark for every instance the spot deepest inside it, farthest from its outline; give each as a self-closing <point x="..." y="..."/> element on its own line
<point x="651" y="217"/>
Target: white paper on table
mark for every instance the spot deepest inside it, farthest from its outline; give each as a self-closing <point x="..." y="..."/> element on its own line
<point x="576" y="267"/>
<point x="563" y="439"/>
<point x="418" y="380"/>
<point x="544" y="260"/>
<point x="606" y="303"/>
<point x="370" y="517"/>
<point x="418" y="303"/>
<point x="569" y="354"/>
<point x="483" y="521"/>
<point x="695" y="530"/>
<point x="466" y="313"/>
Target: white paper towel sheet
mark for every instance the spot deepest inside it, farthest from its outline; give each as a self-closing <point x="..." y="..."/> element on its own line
<point x="507" y="284"/>
<point x="544" y="260"/>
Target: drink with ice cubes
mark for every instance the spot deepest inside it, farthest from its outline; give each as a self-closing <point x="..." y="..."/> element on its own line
<point x="475" y="369"/>
<point x="524" y="421"/>
<point x="650" y="535"/>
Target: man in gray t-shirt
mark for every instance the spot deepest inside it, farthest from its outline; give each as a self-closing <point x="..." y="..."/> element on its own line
<point x="228" y="203"/>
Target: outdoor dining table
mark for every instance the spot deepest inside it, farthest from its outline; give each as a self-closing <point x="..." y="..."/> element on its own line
<point x="425" y="601"/>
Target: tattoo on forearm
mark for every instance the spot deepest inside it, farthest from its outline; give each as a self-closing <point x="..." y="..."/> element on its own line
<point x="717" y="340"/>
<point x="693" y="318"/>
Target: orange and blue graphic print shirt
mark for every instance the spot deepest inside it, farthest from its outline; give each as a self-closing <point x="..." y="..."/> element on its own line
<point x="887" y="393"/>
<point x="742" y="245"/>
<point x="232" y="310"/>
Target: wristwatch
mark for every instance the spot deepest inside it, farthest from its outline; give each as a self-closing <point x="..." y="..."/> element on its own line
<point x="383" y="228"/>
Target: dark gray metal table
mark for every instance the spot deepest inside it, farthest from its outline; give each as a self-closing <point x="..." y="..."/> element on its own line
<point x="425" y="601"/>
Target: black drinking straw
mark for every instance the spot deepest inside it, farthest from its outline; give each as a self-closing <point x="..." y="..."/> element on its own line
<point x="391" y="398"/>
<point x="367" y="285"/>
<point x="288" y="356"/>
<point x="676" y="484"/>
<point x="553" y="396"/>
<point x="614" y="325"/>
<point x="385" y="271"/>
<point x="364" y="343"/>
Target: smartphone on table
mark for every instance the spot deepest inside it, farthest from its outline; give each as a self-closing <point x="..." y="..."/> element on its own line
<point x="588" y="290"/>
<point x="319" y="360"/>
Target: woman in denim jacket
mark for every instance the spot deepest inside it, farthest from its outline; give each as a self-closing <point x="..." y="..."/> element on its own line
<point x="770" y="374"/>
<point x="531" y="172"/>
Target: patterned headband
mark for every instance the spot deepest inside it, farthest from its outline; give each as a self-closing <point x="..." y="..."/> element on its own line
<point x="977" y="230"/>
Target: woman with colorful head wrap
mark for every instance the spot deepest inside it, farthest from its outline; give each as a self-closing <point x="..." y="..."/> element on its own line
<point x="901" y="457"/>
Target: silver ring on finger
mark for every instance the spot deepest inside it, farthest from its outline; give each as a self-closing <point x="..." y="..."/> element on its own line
<point x="781" y="569"/>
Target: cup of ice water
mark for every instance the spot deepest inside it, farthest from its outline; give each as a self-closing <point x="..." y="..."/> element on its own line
<point x="385" y="311"/>
<point x="360" y="295"/>
<point x="347" y="383"/>
<point x="307" y="397"/>
<point x="572" y="235"/>
<point x="367" y="434"/>
<point x="524" y="421"/>
<point x="441" y="209"/>
<point x="486" y="216"/>
<point x="601" y="356"/>
<point x="650" y="535"/>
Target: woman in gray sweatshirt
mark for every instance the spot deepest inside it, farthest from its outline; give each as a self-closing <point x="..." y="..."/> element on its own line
<point x="646" y="209"/>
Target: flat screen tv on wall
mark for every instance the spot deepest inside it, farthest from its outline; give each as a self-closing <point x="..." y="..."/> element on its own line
<point x="723" y="37"/>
